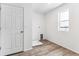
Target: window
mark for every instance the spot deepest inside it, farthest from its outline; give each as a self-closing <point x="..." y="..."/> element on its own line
<point x="63" y="20"/>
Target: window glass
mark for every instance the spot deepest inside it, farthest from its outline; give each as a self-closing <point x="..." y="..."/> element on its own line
<point x="63" y="20"/>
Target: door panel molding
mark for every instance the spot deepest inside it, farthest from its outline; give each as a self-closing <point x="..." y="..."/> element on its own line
<point x="12" y="22"/>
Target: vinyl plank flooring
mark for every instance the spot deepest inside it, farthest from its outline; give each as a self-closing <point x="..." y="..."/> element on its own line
<point x="47" y="49"/>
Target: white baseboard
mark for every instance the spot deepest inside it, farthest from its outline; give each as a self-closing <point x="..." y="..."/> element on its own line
<point x="64" y="46"/>
<point x="28" y="49"/>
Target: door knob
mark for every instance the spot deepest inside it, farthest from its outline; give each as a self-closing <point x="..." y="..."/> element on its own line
<point x="0" y="48"/>
<point x="21" y="31"/>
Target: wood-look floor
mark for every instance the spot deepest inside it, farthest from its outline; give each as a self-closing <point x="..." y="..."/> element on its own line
<point x="47" y="49"/>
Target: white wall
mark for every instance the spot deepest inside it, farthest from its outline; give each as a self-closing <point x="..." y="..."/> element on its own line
<point x="38" y="26"/>
<point x="27" y="26"/>
<point x="69" y="39"/>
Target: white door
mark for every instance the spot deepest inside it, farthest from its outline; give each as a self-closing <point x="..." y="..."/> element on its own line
<point x="36" y="33"/>
<point x="11" y="29"/>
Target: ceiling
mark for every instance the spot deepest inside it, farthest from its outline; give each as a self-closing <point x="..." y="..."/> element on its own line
<point x="44" y="7"/>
